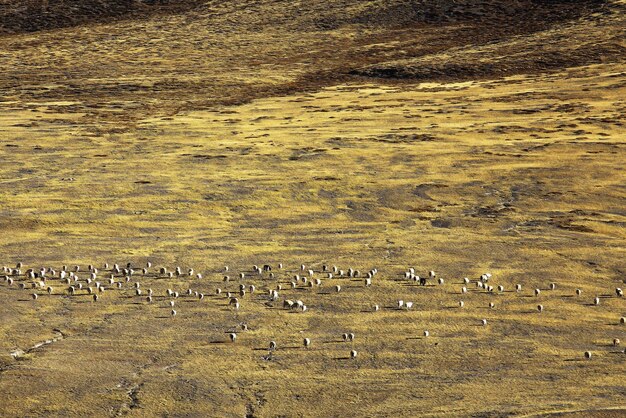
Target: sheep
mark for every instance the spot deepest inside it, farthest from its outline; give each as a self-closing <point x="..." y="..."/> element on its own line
<point x="483" y="322"/>
<point x="578" y="292"/>
<point x="619" y="292"/>
<point x="596" y="301"/>
<point x="304" y="308"/>
<point x="95" y="297"/>
<point x="344" y="337"/>
<point x="163" y="271"/>
<point x="190" y="272"/>
<point x="232" y="337"/>
<point x="329" y="276"/>
<point x="353" y="354"/>
<point x="138" y="292"/>
<point x="518" y="287"/>
<point x="310" y="273"/>
<point x="616" y="342"/>
<point x="351" y="336"/>
<point x="622" y="320"/>
<point x="376" y="308"/>
<point x="440" y="281"/>
<point x="408" y="305"/>
<point x="244" y="327"/>
<point x="318" y="282"/>
<point x="464" y="289"/>
<point x="49" y="290"/>
<point x="489" y="288"/>
<point x="10" y="281"/>
<point x="72" y="290"/>
<point x="461" y="304"/>
<point x="199" y="276"/>
<point x="540" y="308"/>
<point x="368" y="282"/>
<point x="280" y="266"/>
<point x="537" y="292"/>
<point x="242" y="292"/>
<point x="431" y="274"/>
<point x="306" y="342"/>
<point x="101" y="289"/>
<point x="480" y="284"/>
<point x="587" y="355"/>
<point x="148" y="264"/>
<point x="500" y="288"/>
<point x="337" y="288"/>
<point x="218" y="291"/>
<point x="252" y="288"/>
<point x="173" y="312"/>
<point x="172" y="303"/>
<point x="233" y="301"/>
<point x="178" y="271"/>
<point x="119" y="285"/>
<point x="200" y="296"/>
<point x="552" y="286"/>
<point x="35" y="296"/>
<point x="149" y="299"/>
<point x="225" y="278"/>
<point x="226" y="268"/>
<point x="137" y="285"/>
<point x="242" y="276"/>
<point x="426" y="334"/>
<point x="492" y="305"/>
<point x="272" y="345"/>
<point x="400" y="304"/>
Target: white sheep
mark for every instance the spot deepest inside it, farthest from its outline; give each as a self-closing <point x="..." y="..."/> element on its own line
<point x="616" y="342"/>
<point x="400" y="304"/>
<point x="35" y="296"/>
<point x="173" y="312"/>
<point x="307" y="342"/>
<point x="368" y="282"/>
<point x="408" y="305"/>
<point x="500" y="288"/>
<point x="537" y="292"/>
<point x="596" y="301"/>
<point x="588" y="355"/>
<point x="578" y="292"/>
<point x="353" y="354"/>
<point x="426" y="334"/>
<point x="552" y="286"/>
<point x="492" y="305"/>
<point x="483" y="322"/>
<point x="440" y="281"/>
<point x="540" y="308"/>
<point x="272" y="345"/>
<point x="518" y="287"/>
<point x="376" y="308"/>
<point x="232" y="337"/>
<point x="461" y="304"/>
<point x="337" y="288"/>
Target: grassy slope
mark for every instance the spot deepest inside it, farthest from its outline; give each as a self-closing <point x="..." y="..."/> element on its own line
<point x="119" y="147"/>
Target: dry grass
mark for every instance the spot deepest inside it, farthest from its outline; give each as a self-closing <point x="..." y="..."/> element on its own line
<point x="266" y="151"/>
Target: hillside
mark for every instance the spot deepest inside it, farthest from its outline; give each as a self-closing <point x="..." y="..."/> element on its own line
<point x="462" y="137"/>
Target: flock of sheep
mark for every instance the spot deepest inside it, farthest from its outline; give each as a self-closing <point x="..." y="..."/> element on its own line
<point x="74" y="281"/>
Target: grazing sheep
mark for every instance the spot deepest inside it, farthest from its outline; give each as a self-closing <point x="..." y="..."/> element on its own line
<point x="178" y="271"/>
<point x="244" y="327"/>
<point x="464" y="289"/>
<point x="10" y="281"/>
<point x="422" y="280"/>
<point x="492" y="305"/>
<point x="218" y="291"/>
<point x="616" y="342"/>
<point x="351" y="336"/>
<point x="344" y="337"/>
<point x="35" y="296"/>
<point x="149" y="299"/>
<point x="400" y="304"/>
<point x="252" y="288"/>
<point x="173" y="312"/>
<point x="518" y="287"/>
<point x="461" y="304"/>
<point x="622" y="320"/>
<point x="537" y="292"/>
<point x="226" y="268"/>
<point x="483" y="322"/>
<point x="408" y="305"/>
<point x="272" y="345"/>
<point x="337" y="288"/>
<point x="72" y="290"/>
<point x="431" y="274"/>
<point x="440" y="281"/>
<point x="619" y="292"/>
<point x="232" y="337"/>
<point x="119" y="285"/>
<point x="172" y="303"/>
<point x="200" y="296"/>
<point x="280" y="266"/>
<point x="552" y="286"/>
<point x="578" y="292"/>
<point x="376" y="308"/>
<point x="596" y="301"/>
<point x="306" y="342"/>
<point x="138" y="292"/>
<point x="489" y="288"/>
<point x="368" y="282"/>
<point x="95" y="298"/>
<point x="233" y="301"/>
<point x="49" y="290"/>
<point x="318" y="282"/>
<point x="540" y="308"/>
<point x="353" y="354"/>
<point x="500" y="288"/>
<point x="242" y="276"/>
<point x="480" y="284"/>
<point x="588" y="355"/>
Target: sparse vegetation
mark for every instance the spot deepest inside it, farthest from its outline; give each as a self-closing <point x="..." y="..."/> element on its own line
<point x="332" y="145"/>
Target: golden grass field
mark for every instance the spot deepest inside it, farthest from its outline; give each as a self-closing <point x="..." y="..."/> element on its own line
<point x="318" y="133"/>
